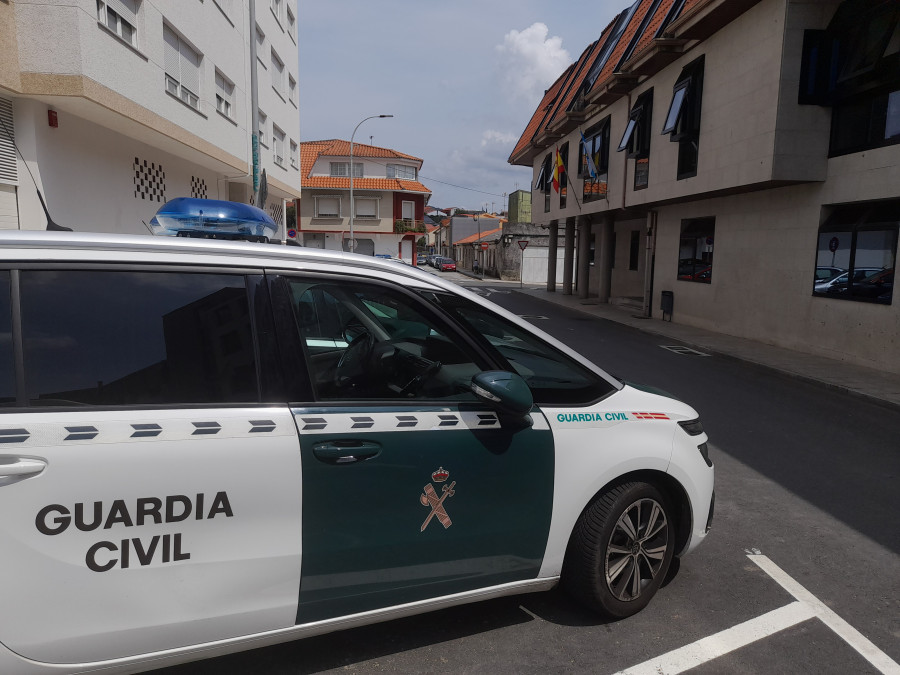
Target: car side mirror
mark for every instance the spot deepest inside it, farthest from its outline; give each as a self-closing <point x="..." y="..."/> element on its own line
<point x="507" y="392"/>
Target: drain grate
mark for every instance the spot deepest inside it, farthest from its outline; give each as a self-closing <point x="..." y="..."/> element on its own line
<point x="685" y="351"/>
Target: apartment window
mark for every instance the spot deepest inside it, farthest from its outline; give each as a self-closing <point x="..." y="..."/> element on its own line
<point x="683" y="118"/>
<point x="260" y="47"/>
<point x="263" y="126"/>
<point x="292" y="25"/>
<point x="120" y="16"/>
<point x="365" y="207"/>
<point x="182" y="66"/>
<point x="695" y="252"/>
<point x="293" y="154"/>
<point x="593" y="161"/>
<point x="224" y="95"/>
<point x="277" y="74"/>
<point x="277" y="9"/>
<point x="854" y="66"/>
<point x="563" y="176"/>
<point x="277" y="145"/>
<point x="328" y="206"/>
<point x="862" y="240"/>
<point x="545" y="180"/>
<point x="292" y="90"/>
<point x="634" y="250"/>
<point x="636" y="139"/>
<point x="339" y="170"/>
<point x="401" y="171"/>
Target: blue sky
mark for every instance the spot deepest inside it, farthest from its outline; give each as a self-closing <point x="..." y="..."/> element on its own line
<point x="461" y="77"/>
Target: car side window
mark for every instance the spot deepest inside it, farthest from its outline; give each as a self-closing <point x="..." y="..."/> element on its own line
<point x="370" y="341"/>
<point x="109" y="337"/>
<point x="553" y="377"/>
<point x="7" y="365"/>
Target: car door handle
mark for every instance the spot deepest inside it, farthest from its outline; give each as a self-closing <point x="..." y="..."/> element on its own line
<point x="345" y="452"/>
<point x="20" y="466"/>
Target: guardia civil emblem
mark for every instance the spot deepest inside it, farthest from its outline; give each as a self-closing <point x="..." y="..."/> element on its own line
<point x="430" y="498"/>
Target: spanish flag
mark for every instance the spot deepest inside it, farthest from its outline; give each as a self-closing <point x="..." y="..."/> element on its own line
<point x="558" y="169"/>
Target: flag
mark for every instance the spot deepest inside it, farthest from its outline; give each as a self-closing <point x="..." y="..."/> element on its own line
<point x="558" y="169"/>
<point x="591" y="167"/>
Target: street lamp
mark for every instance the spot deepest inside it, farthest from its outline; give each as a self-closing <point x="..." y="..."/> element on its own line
<point x="352" y="240"/>
<point x="478" y="245"/>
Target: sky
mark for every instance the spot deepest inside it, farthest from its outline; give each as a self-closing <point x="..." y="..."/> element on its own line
<point x="461" y="77"/>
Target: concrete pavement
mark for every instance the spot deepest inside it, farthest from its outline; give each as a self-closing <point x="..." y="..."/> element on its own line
<point x="879" y="387"/>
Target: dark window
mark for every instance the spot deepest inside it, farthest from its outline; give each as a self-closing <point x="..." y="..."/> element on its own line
<point x="862" y="240"/>
<point x="545" y="180"/>
<point x="683" y="118"/>
<point x="695" y="252"/>
<point x="636" y="139"/>
<point x="369" y="341"/>
<point x="7" y="368"/>
<point x="634" y="250"/>
<point x="563" y="175"/>
<point x="593" y="161"/>
<point x="130" y="338"/>
<point x="854" y="66"/>
<point x="553" y="377"/>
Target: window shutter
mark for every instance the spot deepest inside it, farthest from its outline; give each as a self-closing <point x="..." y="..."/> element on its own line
<point x="170" y="54"/>
<point x="190" y="68"/>
<point x="8" y="167"/>
<point x="127" y="9"/>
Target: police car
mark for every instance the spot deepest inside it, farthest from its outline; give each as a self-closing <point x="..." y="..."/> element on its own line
<point x="208" y="446"/>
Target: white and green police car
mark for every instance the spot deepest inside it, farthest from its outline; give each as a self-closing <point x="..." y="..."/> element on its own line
<point x="211" y="446"/>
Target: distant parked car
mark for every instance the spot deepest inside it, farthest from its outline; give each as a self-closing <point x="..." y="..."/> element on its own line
<point x="878" y="287"/>
<point x="826" y="273"/>
<point x="839" y="283"/>
<point x="420" y="259"/>
<point x="447" y="265"/>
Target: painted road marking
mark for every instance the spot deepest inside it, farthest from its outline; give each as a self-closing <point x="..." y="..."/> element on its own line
<point x="685" y="351"/>
<point x="806" y="607"/>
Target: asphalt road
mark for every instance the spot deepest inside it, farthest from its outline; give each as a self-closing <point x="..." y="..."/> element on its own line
<point x="806" y="478"/>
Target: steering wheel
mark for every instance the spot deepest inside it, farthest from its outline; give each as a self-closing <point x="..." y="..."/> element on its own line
<point x="352" y="366"/>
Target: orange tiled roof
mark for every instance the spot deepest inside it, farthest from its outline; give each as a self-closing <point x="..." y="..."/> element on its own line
<point x="538" y="119"/>
<point x="647" y="38"/>
<point x="473" y="238"/>
<point x="310" y="151"/>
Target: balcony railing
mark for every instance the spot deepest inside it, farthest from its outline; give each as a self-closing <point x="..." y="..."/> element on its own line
<point x="405" y="225"/>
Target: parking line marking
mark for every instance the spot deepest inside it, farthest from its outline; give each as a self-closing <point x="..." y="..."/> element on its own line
<point x="805" y="607"/>
<point x="848" y="633"/>
<point x="714" y="646"/>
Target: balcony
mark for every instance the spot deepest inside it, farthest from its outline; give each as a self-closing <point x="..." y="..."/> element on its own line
<point x="405" y="225"/>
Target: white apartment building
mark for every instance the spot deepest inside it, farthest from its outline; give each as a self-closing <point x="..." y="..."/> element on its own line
<point x="117" y="106"/>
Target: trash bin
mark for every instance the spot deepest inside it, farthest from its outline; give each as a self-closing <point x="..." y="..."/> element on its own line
<point x="667" y="302"/>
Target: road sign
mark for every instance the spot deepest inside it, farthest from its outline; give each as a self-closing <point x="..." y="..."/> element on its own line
<point x="484" y="246"/>
<point x="523" y="244"/>
<point x="833" y="244"/>
<point x="292" y="234"/>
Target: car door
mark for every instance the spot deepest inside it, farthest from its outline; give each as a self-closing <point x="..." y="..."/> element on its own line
<point x="412" y="489"/>
<point x="149" y="497"/>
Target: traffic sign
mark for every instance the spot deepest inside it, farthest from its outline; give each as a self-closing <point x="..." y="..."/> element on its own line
<point x="484" y="246"/>
<point x="292" y="234"/>
<point x="523" y="244"/>
<point x="834" y="244"/>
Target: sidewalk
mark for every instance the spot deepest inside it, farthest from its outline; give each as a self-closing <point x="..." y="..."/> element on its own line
<point x="879" y="387"/>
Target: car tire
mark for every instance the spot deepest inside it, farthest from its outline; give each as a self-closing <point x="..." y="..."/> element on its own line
<point x="620" y="550"/>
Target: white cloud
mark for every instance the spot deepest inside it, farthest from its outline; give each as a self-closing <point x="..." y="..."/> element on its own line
<point x="492" y="136"/>
<point x="530" y="62"/>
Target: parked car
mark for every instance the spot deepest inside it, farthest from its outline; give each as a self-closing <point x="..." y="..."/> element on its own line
<point x="826" y="273"/>
<point x="421" y="259"/>
<point x="838" y="284"/>
<point x="447" y="265"/>
<point x="878" y="287"/>
<point x="212" y="445"/>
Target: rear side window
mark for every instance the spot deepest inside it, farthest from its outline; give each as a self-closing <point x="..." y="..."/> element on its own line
<point x="7" y="368"/>
<point x="129" y="338"/>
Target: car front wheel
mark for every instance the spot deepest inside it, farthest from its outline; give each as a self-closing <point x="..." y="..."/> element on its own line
<point x="620" y="550"/>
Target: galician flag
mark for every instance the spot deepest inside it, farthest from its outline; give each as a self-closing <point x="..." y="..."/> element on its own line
<point x="592" y="168"/>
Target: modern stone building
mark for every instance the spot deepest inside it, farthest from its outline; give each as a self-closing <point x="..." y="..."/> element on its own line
<point x="728" y="152"/>
<point x="118" y="106"/>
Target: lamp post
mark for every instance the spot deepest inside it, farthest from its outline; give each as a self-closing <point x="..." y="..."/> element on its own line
<point x="352" y="240"/>
<point x="478" y="247"/>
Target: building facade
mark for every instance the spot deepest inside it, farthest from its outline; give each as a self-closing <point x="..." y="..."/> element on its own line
<point x="118" y="106"/>
<point x="388" y="199"/>
<point x="727" y="152"/>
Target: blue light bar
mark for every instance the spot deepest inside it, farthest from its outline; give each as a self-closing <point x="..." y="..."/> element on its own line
<point x="212" y="219"/>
